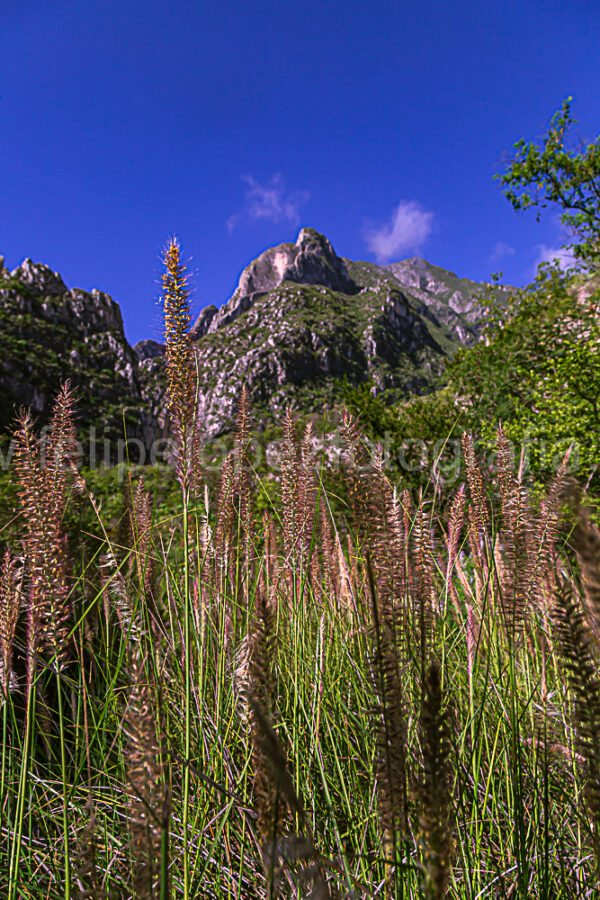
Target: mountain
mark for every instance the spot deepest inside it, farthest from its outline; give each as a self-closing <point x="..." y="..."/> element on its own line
<point x="49" y="333"/>
<point x="300" y="319"/>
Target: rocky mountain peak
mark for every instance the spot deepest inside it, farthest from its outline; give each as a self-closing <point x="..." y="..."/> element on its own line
<point x="50" y="333"/>
<point x="39" y="277"/>
<point x="415" y="272"/>
<point x="310" y="260"/>
<point x="443" y="291"/>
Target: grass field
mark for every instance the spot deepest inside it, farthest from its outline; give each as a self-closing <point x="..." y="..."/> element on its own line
<point x="394" y="700"/>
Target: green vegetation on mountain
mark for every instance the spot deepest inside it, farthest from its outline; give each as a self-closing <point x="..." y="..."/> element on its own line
<point x="536" y="371"/>
<point x="304" y="321"/>
<point x="49" y="334"/>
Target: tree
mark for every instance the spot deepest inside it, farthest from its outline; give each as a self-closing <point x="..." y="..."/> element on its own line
<point x="550" y="174"/>
<point x="537" y="370"/>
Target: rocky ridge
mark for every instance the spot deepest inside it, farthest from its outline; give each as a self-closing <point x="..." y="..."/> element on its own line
<point x="49" y="333"/>
<point x="300" y="319"/>
<point x="303" y="318"/>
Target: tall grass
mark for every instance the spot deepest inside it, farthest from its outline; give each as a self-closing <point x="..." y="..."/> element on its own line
<point x="389" y="701"/>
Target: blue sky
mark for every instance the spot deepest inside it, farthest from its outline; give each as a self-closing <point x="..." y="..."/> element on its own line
<point x="233" y="124"/>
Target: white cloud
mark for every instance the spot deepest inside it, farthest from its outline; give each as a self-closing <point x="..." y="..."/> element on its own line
<point x="269" y="201"/>
<point x="563" y="255"/>
<point x="501" y="250"/>
<point x="409" y="227"/>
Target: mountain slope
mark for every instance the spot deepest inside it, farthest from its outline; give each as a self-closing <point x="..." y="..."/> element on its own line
<point x="49" y="333"/>
<point x="303" y="318"/>
<point x="300" y="320"/>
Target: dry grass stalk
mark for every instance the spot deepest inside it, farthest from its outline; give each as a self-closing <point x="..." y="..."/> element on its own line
<point x="141" y="526"/>
<point x="357" y="581"/>
<point x="408" y="513"/>
<point x="85" y="865"/>
<point x="377" y="520"/>
<point x="354" y="461"/>
<point x="543" y="577"/>
<point x="435" y="819"/>
<point x="270" y="572"/>
<point x="347" y="599"/>
<point x="582" y="673"/>
<point x="517" y="536"/>
<point x="234" y="553"/>
<point x="242" y="493"/>
<point x="10" y="605"/>
<point x="330" y="550"/>
<point x="275" y="798"/>
<point x="283" y="854"/>
<point x="289" y="491"/>
<point x="258" y="693"/>
<point x="307" y="488"/>
<point x="181" y="383"/>
<point x="422" y="590"/>
<point x="585" y="538"/>
<point x="42" y="474"/>
<point x="58" y="448"/>
<point x="115" y="587"/>
<point x="391" y="737"/>
<point x="298" y="495"/>
<point x="472" y="641"/>
<point x="478" y="517"/>
<point x="148" y="808"/>
<point x="225" y="515"/>
<point x="479" y="511"/>
<point x="399" y="535"/>
<point x="456" y="522"/>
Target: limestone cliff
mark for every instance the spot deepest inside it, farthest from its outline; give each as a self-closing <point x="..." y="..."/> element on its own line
<point x="49" y="333"/>
<point x="300" y="320"/>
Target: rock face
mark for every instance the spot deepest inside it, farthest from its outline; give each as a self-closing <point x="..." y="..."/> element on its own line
<point x="148" y="350"/>
<point x="202" y="323"/>
<point x="48" y="334"/>
<point x="311" y="260"/>
<point x="300" y="320"/>
<point x="449" y="299"/>
<point x="303" y="318"/>
<point x="39" y="278"/>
